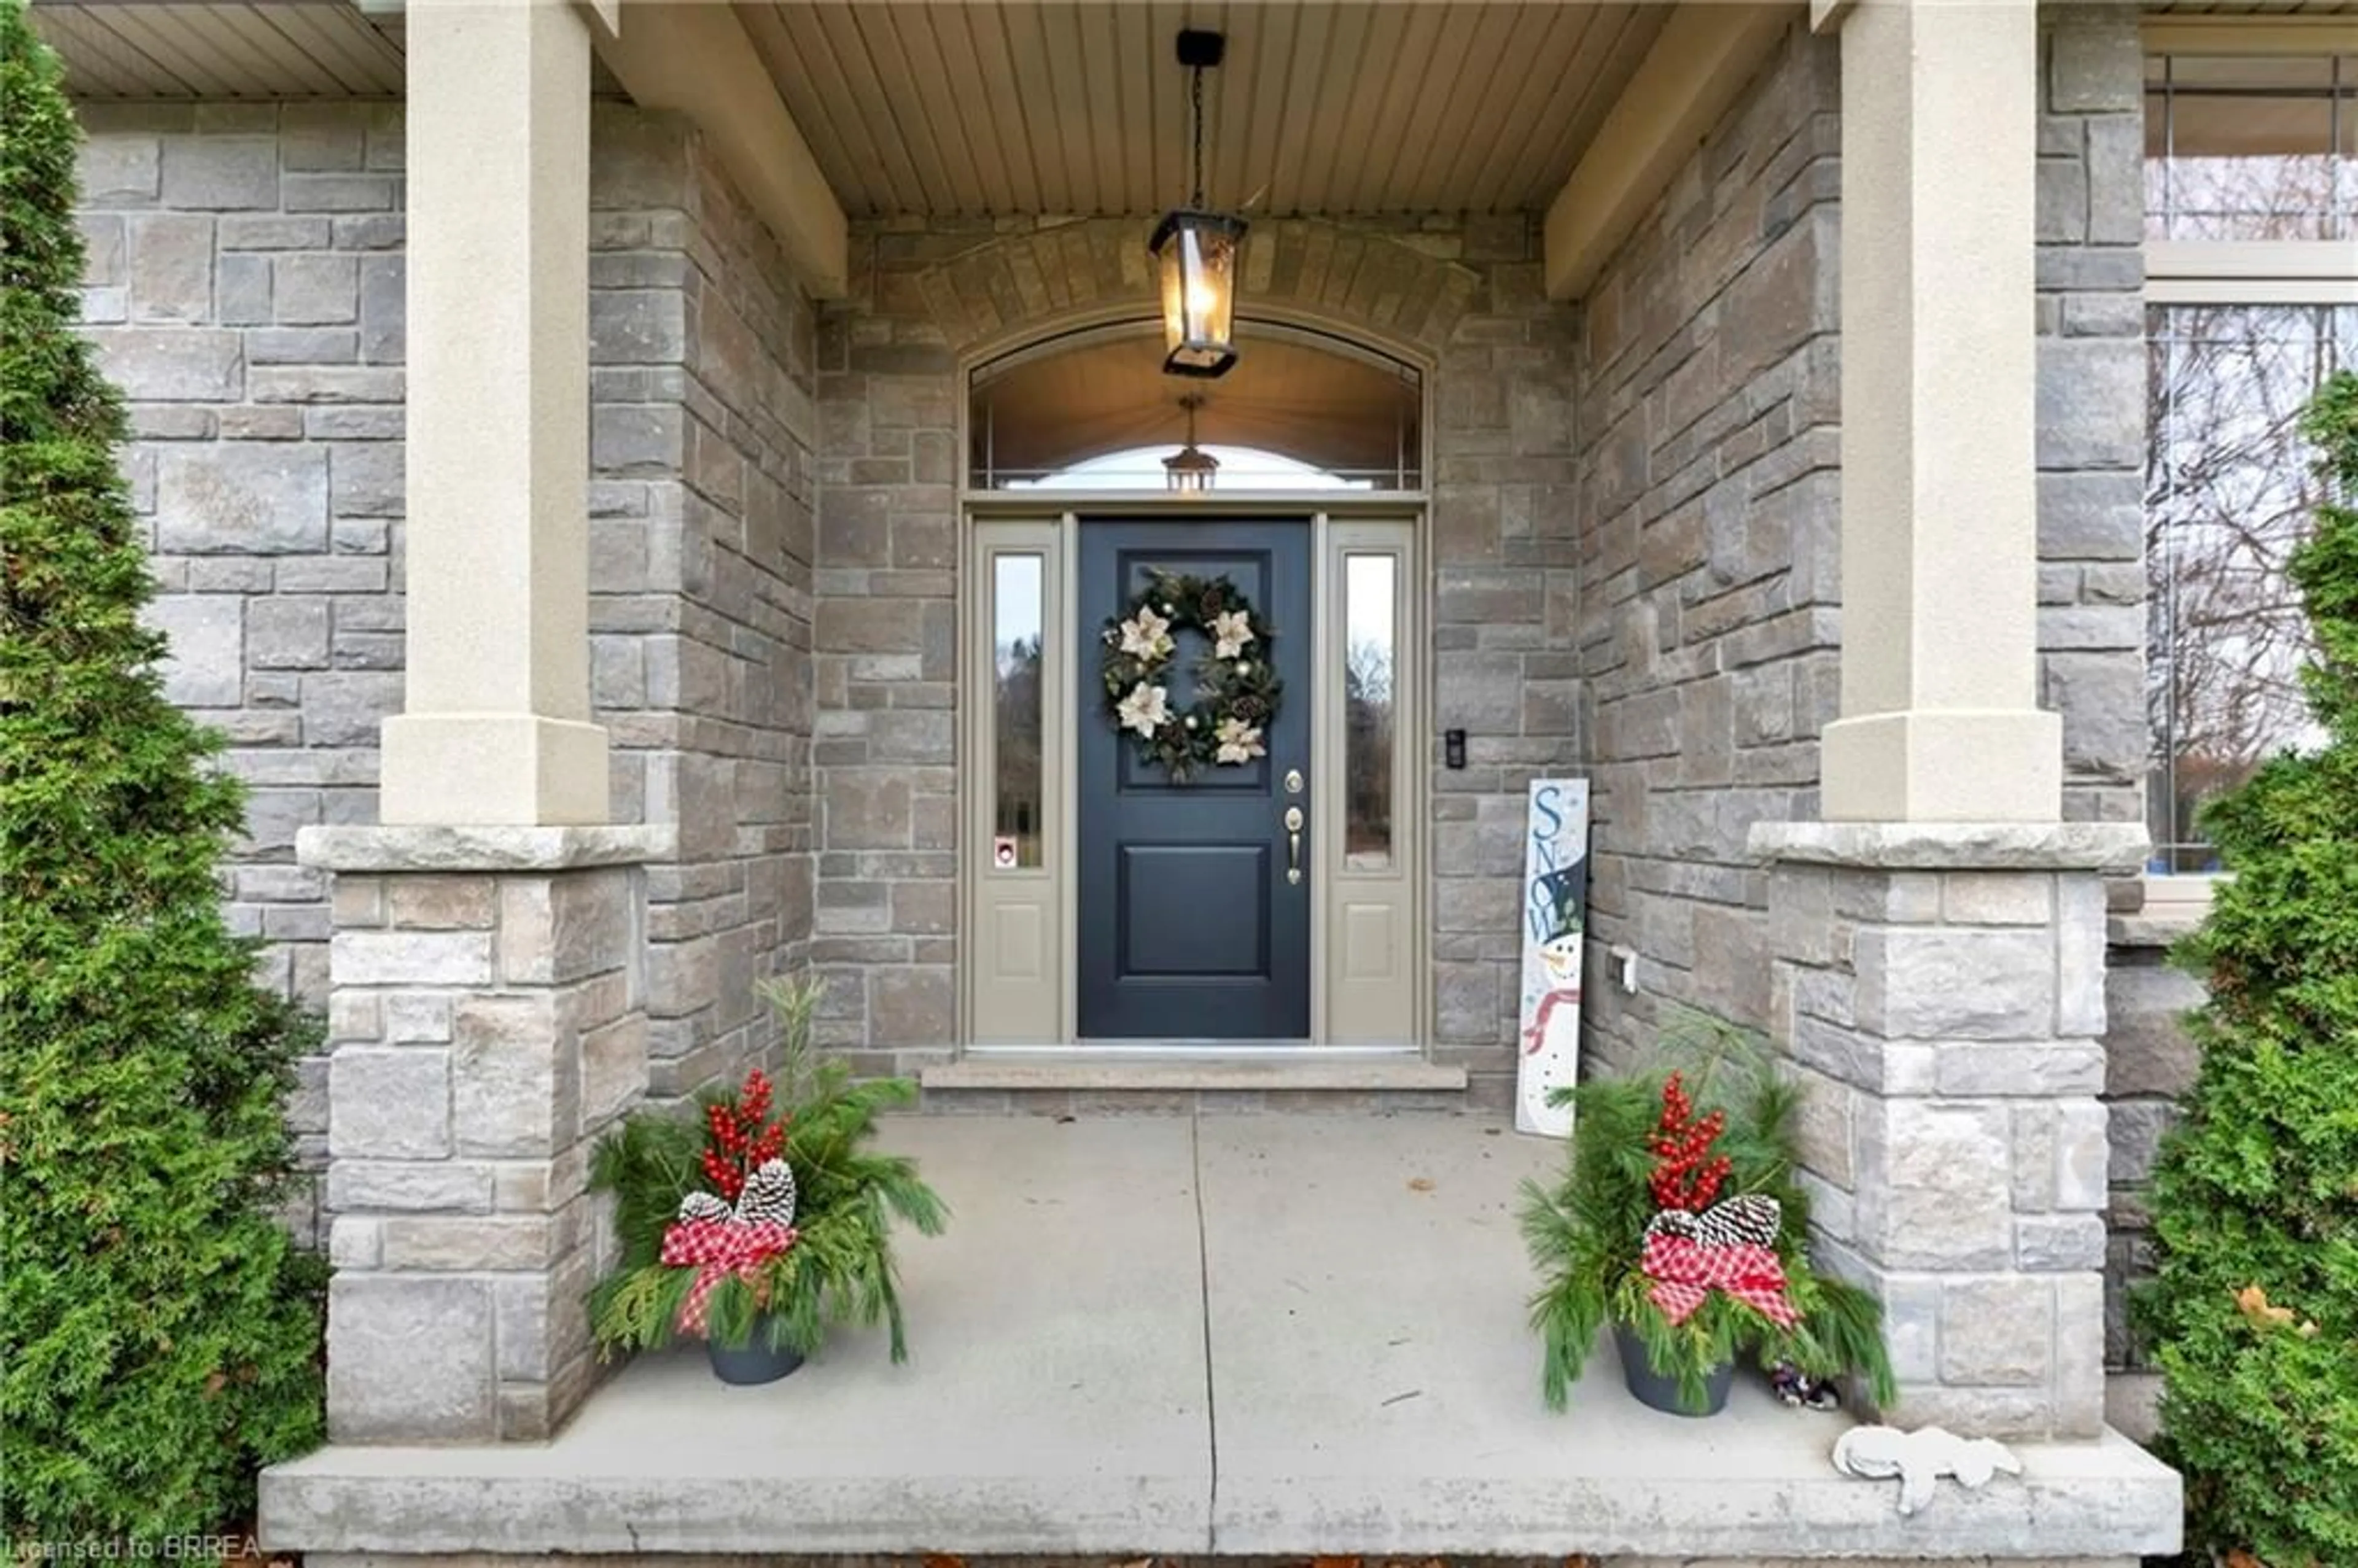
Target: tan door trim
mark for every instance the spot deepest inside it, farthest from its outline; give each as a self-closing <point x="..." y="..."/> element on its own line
<point x="990" y="1014"/>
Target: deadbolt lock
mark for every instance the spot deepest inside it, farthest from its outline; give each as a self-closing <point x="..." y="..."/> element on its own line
<point x="1294" y="820"/>
<point x="1294" y="781"/>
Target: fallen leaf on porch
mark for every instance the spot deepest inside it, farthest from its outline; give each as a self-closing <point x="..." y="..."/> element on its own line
<point x="1134" y="1563"/>
<point x="944" y="1560"/>
<point x="1420" y="1183"/>
<point x="2239" y="1558"/>
<point x="1334" y="1563"/>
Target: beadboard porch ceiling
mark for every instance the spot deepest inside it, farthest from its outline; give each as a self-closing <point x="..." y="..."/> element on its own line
<point x="972" y="108"/>
<point x="1071" y="106"/>
<point x="966" y="110"/>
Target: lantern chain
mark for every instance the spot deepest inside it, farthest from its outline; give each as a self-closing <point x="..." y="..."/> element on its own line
<point x="1196" y="105"/>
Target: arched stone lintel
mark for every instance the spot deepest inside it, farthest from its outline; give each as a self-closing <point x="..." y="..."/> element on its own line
<point x="1364" y="283"/>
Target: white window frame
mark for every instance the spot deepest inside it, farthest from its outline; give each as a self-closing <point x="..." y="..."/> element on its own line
<point x="2243" y="272"/>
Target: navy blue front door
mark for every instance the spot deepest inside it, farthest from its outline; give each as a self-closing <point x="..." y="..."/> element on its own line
<point x="1190" y="927"/>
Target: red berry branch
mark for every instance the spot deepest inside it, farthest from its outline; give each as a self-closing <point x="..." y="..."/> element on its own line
<point x="1686" y="1174"/>
<point x="739" y="1137"/>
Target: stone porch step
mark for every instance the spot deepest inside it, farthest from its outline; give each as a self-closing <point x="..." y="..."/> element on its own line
<point x="1068" y="1079"/>
<point x="1183" y="1336"/>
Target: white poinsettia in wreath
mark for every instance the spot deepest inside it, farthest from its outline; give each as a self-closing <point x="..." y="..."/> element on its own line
<point x="1146" y="710"/>
<point x="1237" y="688"/>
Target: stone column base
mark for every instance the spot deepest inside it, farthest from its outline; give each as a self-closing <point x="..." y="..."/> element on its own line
<point x="1937" y="991"/>
<point x="485" y="1026"/>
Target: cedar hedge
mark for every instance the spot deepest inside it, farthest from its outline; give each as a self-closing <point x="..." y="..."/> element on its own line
<point x="2254" y="1311"/>
<point x="159" y="1335"/>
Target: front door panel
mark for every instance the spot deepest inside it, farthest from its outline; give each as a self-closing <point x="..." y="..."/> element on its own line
<point x="1189" y="925"/>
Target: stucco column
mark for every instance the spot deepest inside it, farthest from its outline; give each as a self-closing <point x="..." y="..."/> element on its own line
<point x="495" y="728"/>
<point x="1940" y="718"/>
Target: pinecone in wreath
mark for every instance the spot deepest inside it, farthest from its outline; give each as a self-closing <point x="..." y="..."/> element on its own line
<point x="769" y="1196"/>
<point x="702" y="1206"/>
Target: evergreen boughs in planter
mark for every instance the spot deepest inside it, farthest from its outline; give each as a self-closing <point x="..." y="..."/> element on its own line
<point x="835" y="1266"/>
<point x="1651" y="1173"/>
<point x="2253" y="1314"/>
<point x="159" y="1335"/>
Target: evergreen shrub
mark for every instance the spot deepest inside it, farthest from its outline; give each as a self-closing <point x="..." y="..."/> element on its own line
<point x="159" y="1333"/>
<point x="2253" y="1313"/>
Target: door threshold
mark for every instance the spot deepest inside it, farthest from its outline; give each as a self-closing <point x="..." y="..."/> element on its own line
<point x="1196" y="1046"/>
<point x="1188" y="1065"/>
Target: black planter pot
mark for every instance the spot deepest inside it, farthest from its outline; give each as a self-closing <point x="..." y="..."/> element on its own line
<point x="754" y="1361"/>
<point x="1658" y="1392"/>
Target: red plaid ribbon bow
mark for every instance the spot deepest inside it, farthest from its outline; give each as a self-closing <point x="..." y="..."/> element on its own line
<point x="718" y="1248"/>
<point x="1685" y="1271"/>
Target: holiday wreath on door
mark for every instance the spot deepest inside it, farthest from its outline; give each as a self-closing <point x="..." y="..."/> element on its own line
<point x="1237" y="688"/>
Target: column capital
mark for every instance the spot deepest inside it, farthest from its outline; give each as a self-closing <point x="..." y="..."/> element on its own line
<point x="382" y="850"/>
<point x="2111" y="847"/>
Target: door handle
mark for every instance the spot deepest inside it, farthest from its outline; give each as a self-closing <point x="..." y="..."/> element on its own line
<point x="1294" y="844"/>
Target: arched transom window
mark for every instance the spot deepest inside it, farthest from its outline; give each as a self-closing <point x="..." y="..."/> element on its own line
<point x="1094" y="410"/>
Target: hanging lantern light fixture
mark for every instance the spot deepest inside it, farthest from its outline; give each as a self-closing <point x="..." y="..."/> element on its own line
<point x="1190" y="468"/>
<point x="1197" y="249"/>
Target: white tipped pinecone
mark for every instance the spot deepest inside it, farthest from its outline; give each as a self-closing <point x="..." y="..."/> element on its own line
<point x="703" y="1206"/>
<point x="1751" y="1217"/>
<point x="769" y="1196"/>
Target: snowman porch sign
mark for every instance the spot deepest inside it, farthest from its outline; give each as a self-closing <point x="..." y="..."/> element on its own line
<point x="1554" y="918"/>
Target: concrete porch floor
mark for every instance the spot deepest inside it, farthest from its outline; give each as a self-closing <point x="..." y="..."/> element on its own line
<point x="1188" y="1336"/>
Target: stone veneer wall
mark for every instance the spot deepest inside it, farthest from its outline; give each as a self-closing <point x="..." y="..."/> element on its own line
<point x="1710" y="559"/>
<point x="702" y="350"/>
<point x="1710" y="508"/>
<point x="245" y="289"/>
<point x="2091" y="589"/>
<point x="1464" y="295"/>
<point x="2091" y="404"/>
<point x="2149" y="1063"/>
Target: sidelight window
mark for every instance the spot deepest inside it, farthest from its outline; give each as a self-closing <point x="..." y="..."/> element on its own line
<point x="1018" y="644"/>
<point x="1370" y="657"/>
